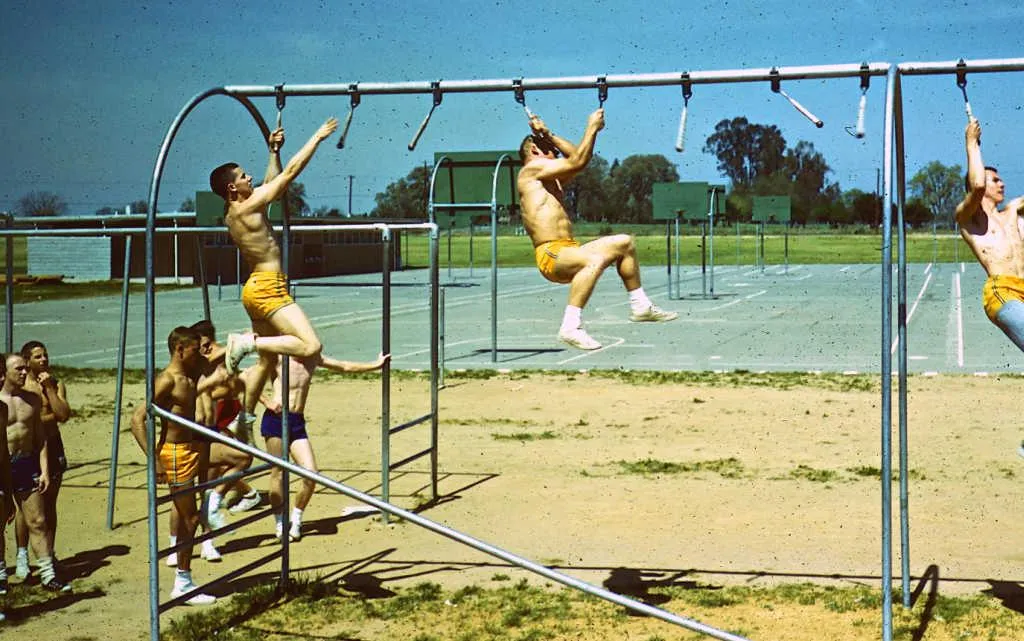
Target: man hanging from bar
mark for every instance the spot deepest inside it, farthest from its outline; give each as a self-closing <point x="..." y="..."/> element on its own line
<point x="560" y="258"/>
<point x="997" y="239"/>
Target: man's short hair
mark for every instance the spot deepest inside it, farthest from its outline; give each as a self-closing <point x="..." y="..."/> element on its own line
<point x="221" y="177"/>
<point x="181" y="336"/>
<point x="205" y="329"/>
<point x="967" y="177"/>
<point x="26" y="349"/>
<point x="524" y="147"/>
<point x="543" y="144"/>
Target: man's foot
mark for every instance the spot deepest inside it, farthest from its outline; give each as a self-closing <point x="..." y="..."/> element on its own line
<point x="652" y="314"/>
<point x="196" y="599"/>
<point x="248" y="502"/>
<point x="57" y="586"/>
<point x="295" y="531"/>
<point x="172" y="560"/>
<point x="216" y="519"/>
<point x="1020" y="450"/>
<point x="210" y="553"/>
<point x="239" y="346"/>
<point x="278" y="530"/>
<point x="21" y="568"/>
<point x="578" y="338"/>
<point x="3" y="585"/>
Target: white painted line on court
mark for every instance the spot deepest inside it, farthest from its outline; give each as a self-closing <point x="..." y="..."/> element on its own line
<point x="958" y="309"/>
<point x="917" y="358"/>
<point x="37" y="323"/>
<point x="927" y="268"/>
<point x="734" y="302"/>
<point x="913" y="308"/>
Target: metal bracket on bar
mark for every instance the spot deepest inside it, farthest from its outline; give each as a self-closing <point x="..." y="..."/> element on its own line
<point x="961" y="81"/>
<point x="776" y="81"/>
<point x="602" y="90"/>
<point x="520" y="95"/>
<point x="687" y="86"/>
<point x="353" y="92"/>
<point x="279" y="99"/>
<point x="435" y="88"/>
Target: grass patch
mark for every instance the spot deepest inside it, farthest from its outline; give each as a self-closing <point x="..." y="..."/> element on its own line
<point x="807" y="473"/>
<point x="729" y="468"/>
<point x="526" y="436"/>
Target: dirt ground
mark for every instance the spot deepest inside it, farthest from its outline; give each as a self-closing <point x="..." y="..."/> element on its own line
<point x="771" y="485"/>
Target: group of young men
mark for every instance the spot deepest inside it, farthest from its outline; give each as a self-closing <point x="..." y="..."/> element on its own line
<point x="33" y="404"/>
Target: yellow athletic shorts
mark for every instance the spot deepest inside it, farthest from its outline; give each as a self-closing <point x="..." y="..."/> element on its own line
<point x="547" y="253"/>
<point x="180" y="462"/>
<point x="265" y="293"/>
<point x="998" y="290"/>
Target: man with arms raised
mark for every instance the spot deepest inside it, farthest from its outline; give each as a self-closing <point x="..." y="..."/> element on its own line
<point x="280" y="326"/>
<point x="560" y="258"/>
<point x="30" y="465"/>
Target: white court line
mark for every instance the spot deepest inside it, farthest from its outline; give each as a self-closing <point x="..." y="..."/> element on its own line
<point x="958" y="309"/>
<point x="913" y="308"/>
<point x="618" y="341"/>
<point x="734" y="302"/>
<point x="927" y="268"/>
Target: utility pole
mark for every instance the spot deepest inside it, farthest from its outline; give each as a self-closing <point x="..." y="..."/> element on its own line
<point x="350" y="177"/>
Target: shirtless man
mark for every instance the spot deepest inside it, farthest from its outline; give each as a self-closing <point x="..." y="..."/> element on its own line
<point x="6" y="492"/>
<point x="559" y="257"/>
<point x="280" y="326"/>
<point x="30" y="464"/>
<point x="300" y="373"/>
<point x="55" y="410"/>
<point x="175" y="391"/>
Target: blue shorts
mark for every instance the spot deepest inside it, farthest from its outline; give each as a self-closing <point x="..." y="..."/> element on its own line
<point x="25" y="472"/>
<point x="270" y="427"/>
<point x="57" y="458"/>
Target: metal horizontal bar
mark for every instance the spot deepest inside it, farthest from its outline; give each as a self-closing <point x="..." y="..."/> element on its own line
<point x="115" y="231"/>
<point x="229" y="478"/>
<point x="459" y="537"/>
<point x="969" y="66"/>
<point x="413" y="422"/>
<point x="565" y="82"/>
<point x="408" y="459"/>
<point x="119" y="218"/>
<point x="461" y="205"/>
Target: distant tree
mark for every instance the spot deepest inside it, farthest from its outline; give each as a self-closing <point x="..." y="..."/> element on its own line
<point x="635" y="178"/>
<point x="585" y="195"/>
<point x="107" y="211"/>
<point x="939" y="188"/>
<point x="746" y="151"/>
<point x="916" y="213"/>
<point x="42" y="203"/>
<point x="139" y="207"/>
<point x="187" y="205"/>
<point x="406" y="197"/>
<point x="297" y="205"/>
<point x="865" y="208"/>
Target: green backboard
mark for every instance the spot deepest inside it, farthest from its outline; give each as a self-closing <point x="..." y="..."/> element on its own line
<point x="774" y="209"/>
<point x="210" y="210"/>
<point x="467" y="177"/>
<point x="690" y="200"/>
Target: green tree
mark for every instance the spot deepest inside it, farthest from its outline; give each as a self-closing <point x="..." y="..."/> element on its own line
<point x="139" y="207"/>
<point x="865" y="208"/>
<point x="916" y="213"/>
<point x="635" y="178"/>
<point x="746" y="151"/>
<point x="187" y="205"/>
<point x="406" y="197"/>
<point x="107" y="211"/>
<point x="939" y="188"/>
<point x="42" y="203"/>
<point x="585" y="196"/>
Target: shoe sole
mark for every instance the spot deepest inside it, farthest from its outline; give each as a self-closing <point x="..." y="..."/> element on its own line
<point x="578" y="345"/>
<point x="653" y="320"/>
<point x="231" y="368"/>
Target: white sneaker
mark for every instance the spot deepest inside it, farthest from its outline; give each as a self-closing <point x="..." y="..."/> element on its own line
<point x="196" y="599"/>
<point x="578" y="338"/>
<point x="278" y="530"/>
<point x="216" y="519"/>
<point x="652" y="314"/>
<point x="295" y="531"/>
<point x="21" y="569"/>
<point x="248" y="502"/>
<point x="172" y="560"/>
<point x="238" y="347"/>
<point x="1020" y="450"/>
<point x="210" y="553"/>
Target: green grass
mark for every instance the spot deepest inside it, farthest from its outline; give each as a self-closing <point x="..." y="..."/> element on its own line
<point x="526" y="436"/>
<point x="814" y="247"/>
<point x="729" y="468"/>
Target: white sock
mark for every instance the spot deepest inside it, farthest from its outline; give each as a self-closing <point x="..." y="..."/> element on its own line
<point x="215" y="499"/>
<point x="173" y="540"/>
<point x="23" y="554"/>
<point x="3" y="570"/>
<point x="296" y="515"/>
<point x="573" y="317"/>
<point x="46" y="571"/>
<point x="182" y="578"/>
<point x="278" y="519"/>
<point x="638" y="300"/>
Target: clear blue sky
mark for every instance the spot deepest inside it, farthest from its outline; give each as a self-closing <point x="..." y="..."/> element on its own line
<point x="88" y="94"/>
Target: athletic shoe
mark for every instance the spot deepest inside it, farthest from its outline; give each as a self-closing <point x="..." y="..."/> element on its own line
<point x="56" y="585"/>
<point x="295" y="531"/>
<point x="1020" y="450"/>
<point x="578" y="338"/>
<point x="239" y="346"/>
<point x="278" y="529"/>
<point x="21" y="568"/>
<point x="210" y="553"/>
<point x="172" y="560"/>
<point x="3" y="585"/>
<point x="652" y="314"/>
<point x="196" y="599"/>
<point x="216" y="519"/>
<point x="248" y="502"/>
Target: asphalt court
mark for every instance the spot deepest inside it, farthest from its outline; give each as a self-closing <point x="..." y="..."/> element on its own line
<point x="795" y="318"/>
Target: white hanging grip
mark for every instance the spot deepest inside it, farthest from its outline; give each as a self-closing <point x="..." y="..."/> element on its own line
<point x="817" y="121"/>
<point x="354" y="93"/>
<point x="436" y="89"/>
<point x="681" y="136"/>
<point x="860" y="116"/>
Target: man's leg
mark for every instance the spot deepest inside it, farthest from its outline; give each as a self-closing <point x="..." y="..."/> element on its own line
<point x="302" y="453"/>
<point x="188" y="523"/>
<point x="50" y="504"/>
<point x="32" y="505"/>
<point x="584" y="266"/>
<point x="287" y="332"/>
<point x="21" y="567"/>
<point x="3" y="543"/>
<point x="275" y="491"/>
<point x="1010" y="319"/>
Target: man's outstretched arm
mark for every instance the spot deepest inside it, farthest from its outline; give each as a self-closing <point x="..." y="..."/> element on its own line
<point x="975" y="174"/>
<point x="274" y="143"/>
<point x="564" y="147"/>
<point x="565" y="168"/>
<point x="276" y="187"/>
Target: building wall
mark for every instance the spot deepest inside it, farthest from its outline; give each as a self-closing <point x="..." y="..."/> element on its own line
<point x="77" y="258"/>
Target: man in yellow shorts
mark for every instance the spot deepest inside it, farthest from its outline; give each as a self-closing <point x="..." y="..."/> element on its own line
<point x="175" y="391"/>
<point x="997" y="239"/>
<point x="560" y="258"/>
<point x="280" y="326"/>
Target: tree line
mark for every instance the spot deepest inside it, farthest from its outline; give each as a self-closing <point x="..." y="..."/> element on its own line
<point x="755" y="159"/>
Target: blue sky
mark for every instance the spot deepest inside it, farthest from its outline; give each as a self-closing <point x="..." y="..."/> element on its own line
<point x="90" y="92"/>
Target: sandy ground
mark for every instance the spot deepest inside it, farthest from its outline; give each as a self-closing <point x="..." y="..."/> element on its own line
<point x="779" y="489"/>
